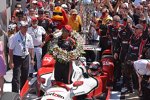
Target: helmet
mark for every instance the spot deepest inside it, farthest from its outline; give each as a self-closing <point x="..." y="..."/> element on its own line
<point x="95" y="68"/>
<point x="57" y="13"/>
<point x="68" y="28"/>
<point x="107" y="52"/>
<point x="67" y="45"/>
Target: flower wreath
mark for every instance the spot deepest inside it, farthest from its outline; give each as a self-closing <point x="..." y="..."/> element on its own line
<point x="65" y="56"/>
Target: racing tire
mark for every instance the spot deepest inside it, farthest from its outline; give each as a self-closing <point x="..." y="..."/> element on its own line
<point x="10" y="96"/>
<point x="103" y="96"/>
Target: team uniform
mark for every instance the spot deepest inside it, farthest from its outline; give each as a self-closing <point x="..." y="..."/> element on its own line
<point x="113" y="35"/>
<point x="122" y="46"/>
<point x="134" y="51"/>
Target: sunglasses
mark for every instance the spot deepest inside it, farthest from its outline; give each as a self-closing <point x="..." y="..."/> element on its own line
<point x="139" y="9"/>
<point x="57" y="13"/>
<point x="40" y="13"/>
<point x="25" y="26"/>
<point x="124" y="8"/>
<point x="92" y="69"/>
<point x="137" y="28"/>
<point x="116" y="20"/>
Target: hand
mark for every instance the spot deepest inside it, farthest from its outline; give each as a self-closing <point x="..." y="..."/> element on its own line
<point x="149" y="80"/>
<point x="11" y="65"/>
<point x="32" y="62"/>
<point x="115" y="56"/>
<point x="43" y="43"/>
<point x="140" y="57"/>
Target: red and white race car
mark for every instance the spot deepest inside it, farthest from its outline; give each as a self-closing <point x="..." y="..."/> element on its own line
<point x="44" y="87"/>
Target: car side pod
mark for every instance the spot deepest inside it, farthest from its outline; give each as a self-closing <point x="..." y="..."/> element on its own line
<point x="48" y="61"/>
<point x="77" y="83"/>
<point x="88" y="85"/>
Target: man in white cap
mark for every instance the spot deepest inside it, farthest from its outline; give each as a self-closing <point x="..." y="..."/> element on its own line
<point x="19" y="50"/>
<point x="36" y="32"/>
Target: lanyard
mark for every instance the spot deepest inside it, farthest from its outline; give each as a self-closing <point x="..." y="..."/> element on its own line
<point x="35" y="33"/>
<point x="23" y="42"/>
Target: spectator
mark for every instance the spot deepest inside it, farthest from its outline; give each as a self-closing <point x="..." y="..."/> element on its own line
<point x="20" y="49"/>
<point x="136" y="14"/>
<point x="106" y="18"/>
<point x="36" y="32"/>
<point x="75" y="20"/>
<point x="2" y="66"/>
<point x="34" y="6"/>
<point x="32" y="13"/>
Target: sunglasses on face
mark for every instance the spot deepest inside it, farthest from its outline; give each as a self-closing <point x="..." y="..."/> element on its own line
<point x="25" y="26"/>
<point x="92" y="69"/>
<point x="139" y="9"/>
<point x="40" y="13"/>
<point x="116" y="20"/>
<point x="124" y="8"/>
<point x="137" y="28"/>
<point x="57" y="13"/>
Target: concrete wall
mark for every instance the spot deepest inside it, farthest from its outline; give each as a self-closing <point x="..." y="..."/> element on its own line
<point x="2" y="5"/>
<point x="14" y="2"/>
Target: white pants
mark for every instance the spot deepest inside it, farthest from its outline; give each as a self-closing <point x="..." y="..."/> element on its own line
<point x="38" y="54"/>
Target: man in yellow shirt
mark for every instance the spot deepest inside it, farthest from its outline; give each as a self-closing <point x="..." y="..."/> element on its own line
<point x="75" y="20"/>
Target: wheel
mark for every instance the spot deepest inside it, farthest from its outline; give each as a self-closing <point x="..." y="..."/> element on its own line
<point x="103" y="96"/>
<point x="10" y="96"/>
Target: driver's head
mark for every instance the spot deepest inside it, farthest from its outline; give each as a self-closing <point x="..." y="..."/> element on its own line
<point x="66" y="31"/>
<point x="95" y="68"/>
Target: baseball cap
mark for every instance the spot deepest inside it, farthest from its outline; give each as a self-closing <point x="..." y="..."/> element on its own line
<point x="34" y="19"/>
<point x="94" y="65"/>
<point x="40" y="4"/>
<point x="139" y="26"/>
<point x="40" y="11"/>
<point x="64" y="6"/>
<point x="105" y="10"/>
<point x="34" y="2"/>
<point x="23" y="23"/>
<point x="19" y="5"/>
<point x="68" y="28"/>
<point x="74" y="11"/>
<point x="143" y="0"/>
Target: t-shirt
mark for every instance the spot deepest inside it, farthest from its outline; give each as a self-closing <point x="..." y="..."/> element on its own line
<point x="141" y="66"/>
<point x="75" y="24"/>
<point x="20" y="44"/>
<point x="37" y="34"/>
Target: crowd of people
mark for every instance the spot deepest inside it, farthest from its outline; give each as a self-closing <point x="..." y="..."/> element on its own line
<point x="118" y="25"/>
